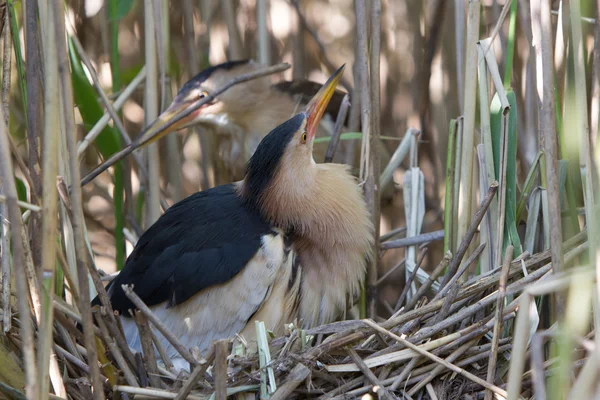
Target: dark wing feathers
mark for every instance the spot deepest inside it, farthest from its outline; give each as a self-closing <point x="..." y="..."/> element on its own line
<point x="204" y="240"/>
<point x="306" y="90"/>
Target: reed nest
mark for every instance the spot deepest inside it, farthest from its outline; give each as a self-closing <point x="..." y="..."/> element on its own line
<point x="437" y="345"/>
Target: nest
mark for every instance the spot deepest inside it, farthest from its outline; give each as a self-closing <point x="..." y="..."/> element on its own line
<point x="451" y="344"/>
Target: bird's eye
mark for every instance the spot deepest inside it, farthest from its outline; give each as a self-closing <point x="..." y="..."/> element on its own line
<point x="303" y="137"/>
<point x="202" y="94"/>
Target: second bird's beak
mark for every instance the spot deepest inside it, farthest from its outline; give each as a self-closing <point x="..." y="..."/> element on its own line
<point x="160" y="127"/>
<point x="317" y="105"/>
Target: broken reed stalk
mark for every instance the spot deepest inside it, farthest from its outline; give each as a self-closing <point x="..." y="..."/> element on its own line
<point x="149" y="133"/>
<point x="385" y="394"/>
<point x="414" y="240"/>
<point x="491" y="372"/>
<point x="78" y="222"/>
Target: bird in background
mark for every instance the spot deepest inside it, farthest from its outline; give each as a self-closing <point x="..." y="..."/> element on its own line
<point x="291" y="240"/>
<point x="241" y="116"/>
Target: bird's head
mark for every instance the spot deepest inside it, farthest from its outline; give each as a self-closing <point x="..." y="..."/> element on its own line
<point x="236" y="100"/>
<point x="283" y="161"/>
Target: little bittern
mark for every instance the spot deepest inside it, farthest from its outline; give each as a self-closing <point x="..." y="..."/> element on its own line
<point x="290" y="240"/>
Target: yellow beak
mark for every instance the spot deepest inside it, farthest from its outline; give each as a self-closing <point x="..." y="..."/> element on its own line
<point x="317" y="105"/>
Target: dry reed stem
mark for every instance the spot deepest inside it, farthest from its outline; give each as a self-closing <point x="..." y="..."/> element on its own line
<point x="147" y="348"/>
<point x="422" y="238"/>
<point x="77" y="222"/>
<point x="154" y="393"/>
<point x="436" y="359"/>
<point x="220" y="369"/>
<point x="542" y="41"/>
<point x="385" y="394"/>
<point x="14" y="217"/>
<point x="236" y="48"/>
<point x="116" y="105"/>
<point x="337" y="129"/>
<point x="149" y="133"/>
<point x="491" y="371"/>
<point x="472" y="258"/>
<point x="115" y="351"/>
<point x="135" y="299"/>
<point x="362" y="60"/>
<point x="196" y="375"/>
<point x="469" y="103"/>
<point x="430" y="279"/>
<point x="468" y="236"/>
<point x="152" y="158"/>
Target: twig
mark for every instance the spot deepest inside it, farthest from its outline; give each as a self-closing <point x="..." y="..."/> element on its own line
<point x="337" y="129"/>
<point x="23" y="204"/>
<point x="135" y="299"/>
<point x="413" y="240"/>
<point x="472" y="258"/>
<point x="114" y="350"/>
<point x="430" y="279"/>
<point x="436" y="359"/>
<point x="160" y="394"/>
<point x="410" y="280"/>
<point x="197" y="373"/>
<point x="368" y="373"/>
<point x="491" y="372"/>
<point x="397" y="158"/>
<point x="466" y="241"/>
<point x="220" y="370"/>
<point x="116" y="106"/>
<point x="150" y="132"/>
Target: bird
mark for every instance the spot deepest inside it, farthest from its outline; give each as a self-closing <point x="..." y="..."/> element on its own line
<point x="290" y="241"/>
<point x="241" y="116"/>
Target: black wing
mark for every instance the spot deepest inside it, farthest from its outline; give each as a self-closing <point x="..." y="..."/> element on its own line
<point x="203" y="240"/>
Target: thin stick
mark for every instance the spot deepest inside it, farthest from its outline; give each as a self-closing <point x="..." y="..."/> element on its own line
<point x="466" y="241"/>
<point x="436" y="359"/>
<point x="410" y="280"/>
<point x="114" y="350"/>
<point x="116" y="105"/>
<point x="14" y="216"/>
<point x="337" y="129"/>
<point x="160" y="394"/>
<point x="150" y="132"/>
<point x="472" y="258"/>
<point x="220" y="370"/>
<point x="135" y="299"/>
<point x="368" y="373"/>
<point x="491" y="372"/>
<point x="430" y="279"/>
<point x="414" y="240"/>
<point x="197" y="373"/>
